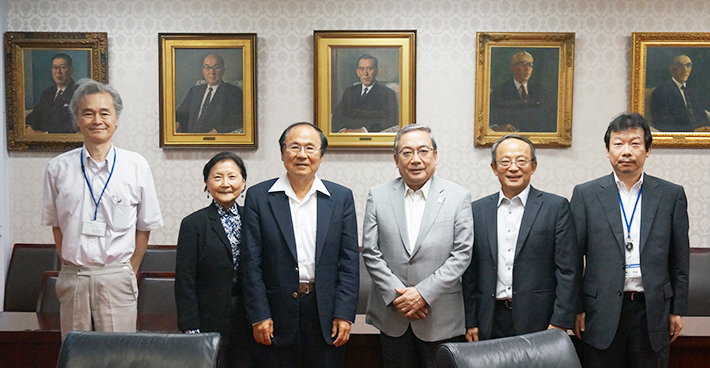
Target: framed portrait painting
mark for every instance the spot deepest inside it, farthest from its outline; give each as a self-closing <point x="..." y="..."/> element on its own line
<point x="41" y="69"/>
<point x="670" y="86"/>
<point x="364" y="86"/>
<point x="207" y="90"/>
<point x="524" y="85"/>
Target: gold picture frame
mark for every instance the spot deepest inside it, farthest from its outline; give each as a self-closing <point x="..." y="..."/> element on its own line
<point x="229" y="120"/>
<point x="678" y="119"/>
<point x="353" y="116"/>
<point x="544" y="112"/>
<point x="38" y="117"/>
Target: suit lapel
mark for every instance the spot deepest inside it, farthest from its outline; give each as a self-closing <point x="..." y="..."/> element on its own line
<point x="325" y="212"/>
<point x="435" y="199"/>
<point x="397" y="201"/>
<point x="282" y="213"/>
<point x="650" y="200"/>
<point x="532" y="207"/>
<point x="491" y="218"/>
<point x="609" y="198"/>
<point x="216" y="225"/>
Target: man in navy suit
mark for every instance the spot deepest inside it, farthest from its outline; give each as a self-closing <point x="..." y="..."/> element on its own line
<point x="676" y="107"/>
<point x="51" y="114"/>
<point x="368" y="106"/>
<point x="523" y="269"/>
<point x="519" y="105"/>
<point x="300" y="273"/>
<point x="632" y="229"/>
<point x="213" y="107"/>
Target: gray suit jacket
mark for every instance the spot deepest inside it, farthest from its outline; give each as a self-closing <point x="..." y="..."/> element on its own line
<point x="664" y="250"/>
<point x="545" y="273"/>
<point x="440" y="256"/>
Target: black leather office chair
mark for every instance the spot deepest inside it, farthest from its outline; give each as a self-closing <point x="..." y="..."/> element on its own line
<point x="699" y="288"/>
<point x="27" y="263"/>
<point x="158" y="258"/>
<point x="545" y="349"/>
<point x="157" y="310"/>
<point x="81" y="349"/>
<point x="47" y="302"/>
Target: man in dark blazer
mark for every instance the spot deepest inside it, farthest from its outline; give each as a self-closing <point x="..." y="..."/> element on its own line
<point x="676" y="107"/>
<point x="300" y="259"/>
<point x="368" y="106"/>
<point x="51" y="114"/>
<point x="213" y="107"/>
<point x="632" y="229"/>
<point x="524" y="263"/>
<point x="519" y="104"/>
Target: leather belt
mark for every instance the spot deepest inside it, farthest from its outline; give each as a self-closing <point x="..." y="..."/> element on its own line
<point x="305" y="288"/>
<point x="634" y="296"/>
<point x="507" y="303"/>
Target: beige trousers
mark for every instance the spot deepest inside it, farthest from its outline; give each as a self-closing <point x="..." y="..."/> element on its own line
<point x="97" y="298"/>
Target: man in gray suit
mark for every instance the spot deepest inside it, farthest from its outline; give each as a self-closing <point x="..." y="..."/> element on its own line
<point x="523" y="268"/>
<point x="632" y="228"/>
<point x="417" y="238"/>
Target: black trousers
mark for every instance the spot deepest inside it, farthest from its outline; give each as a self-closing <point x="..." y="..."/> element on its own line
<point x="408" y="351"/>
<point x="631" y="347"/>
<point x="238" y="348"/>
<point x="502" y="321"/>
<point x="308" y="350"/>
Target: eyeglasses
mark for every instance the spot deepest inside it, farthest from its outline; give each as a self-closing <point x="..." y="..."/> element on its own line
<point x="506" y="162"/>
<point x="62" y="68"/>
<point x="408" y="153"/>
<point x="524" y="63"/>
<point x="309" y="149"/>
<point x="213" y="67"/>
<point x="682" y="65"/>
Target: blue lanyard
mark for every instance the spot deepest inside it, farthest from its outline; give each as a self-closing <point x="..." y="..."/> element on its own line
<point x="89" y="185"/>
<point x="628" y="223"/>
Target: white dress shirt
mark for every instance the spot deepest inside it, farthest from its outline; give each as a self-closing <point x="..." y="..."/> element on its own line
<point x="633" y="257"/>
<point x="680" y="89"/>
<point x="129" y="203"/>
<point x="414" y="204"/>
<point x="304" y="217"/>
<point x="517" y="87"/>
<point x="510" y="215"/>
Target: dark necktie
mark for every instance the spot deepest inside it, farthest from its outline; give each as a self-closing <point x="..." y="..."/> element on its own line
<point x="523" y="94"/>
<point x="59" y="94"/>
<point x="364" y="93"/>
<point x="203" y="111"/>
<point x="688" y="105"/>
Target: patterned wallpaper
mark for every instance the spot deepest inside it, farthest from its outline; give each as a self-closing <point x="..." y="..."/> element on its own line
<point x="445" y="88"/>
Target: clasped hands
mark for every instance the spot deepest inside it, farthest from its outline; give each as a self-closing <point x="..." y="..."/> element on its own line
<point x="410" y="303"/>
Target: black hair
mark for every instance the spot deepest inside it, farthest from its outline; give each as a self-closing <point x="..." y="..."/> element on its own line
<point x="224" y="156"/>
<point x="628" y="121"/>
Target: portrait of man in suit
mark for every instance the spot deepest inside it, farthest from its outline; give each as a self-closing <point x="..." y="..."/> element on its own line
<point x="368" y="106"/>
<point x="523" y="271"/>
<point x="675" y="105"/>
<point x="632" y="230"/>
<point x="51" y="114"/>
<point x="214" y="107"/>
<point x="522" y="105"/>
<point x="300" y="274"/>
<point x="417" y="238"/>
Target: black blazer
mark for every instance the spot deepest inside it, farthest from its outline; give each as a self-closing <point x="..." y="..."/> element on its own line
<point x="375" y="111"/>
<point x="270" y="266"/>
<point x="225" y="113"/>
<point x="53" y="116"/>
<point x="669" y="112"/>
<point x="538" y="114"/>
<point x="203" y="273"/>
<point x="545" y="271"/>
<point x="664" y="251"/>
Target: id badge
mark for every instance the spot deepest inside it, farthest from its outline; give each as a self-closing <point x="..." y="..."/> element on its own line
<point x="633" y="270"/>
<point x="94" y="228"/>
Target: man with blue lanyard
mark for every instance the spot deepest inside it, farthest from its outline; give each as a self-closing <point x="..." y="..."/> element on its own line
<point x="101" y="203"/>
<point x="632" y="229"/>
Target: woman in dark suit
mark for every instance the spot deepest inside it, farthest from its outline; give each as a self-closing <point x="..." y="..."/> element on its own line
<point x="207" y="289"/>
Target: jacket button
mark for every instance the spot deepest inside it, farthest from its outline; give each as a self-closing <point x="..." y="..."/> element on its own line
<point x="295" y="295"/>
<point x="620" y="293"/>
<point x="296" y="269"/>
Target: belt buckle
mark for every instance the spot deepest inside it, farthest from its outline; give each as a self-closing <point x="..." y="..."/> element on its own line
<point x="306" y="286"/>
<point x="509" y="303"/>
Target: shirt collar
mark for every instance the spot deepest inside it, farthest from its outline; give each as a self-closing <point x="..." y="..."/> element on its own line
<point x="214" y="88"/>
<point x="522" y="195"/>
<point x="368" y="87"/>
<point x="620" y="184"/>
<point x="424" y="189"/>
<point x="109" y="157"/>
<point x="234" y="211"/>
<point x="679" y="84"/>
<point x="284" y="185"/>
<point x="518" y="84"/>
